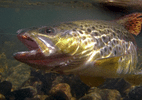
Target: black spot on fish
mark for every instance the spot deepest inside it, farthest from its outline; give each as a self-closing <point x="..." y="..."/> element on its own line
<point x="75" y="34"/>
<point x="80" y="32"/>
<point x="96" y="26"/>
<point x="118" y="31"/>
<point x="103" y="32"/>
<point x="85" y="43"/>
<point x="119" y="48"/>
<point x="95" y="34"/>
<point x="110" y="48"/>
<point x="105" y="49"/>
<point x="120" y="59"/>
<point x="107" y="30"/>
<point x="113" y="34"/>
<point x="83" y="37"/>
<point x="95" y="46"/>
<point x="89" y="30"/>
<point x="97" y="41"/>
<point x="114" y="42"/>
<point x="126" y="38"/>
<point x="108" y="38"/>
<point x="126" y="45"/>
<point x="115" y="52"/>
<point x="74" y="29"/>
<point x="93" y="27"/>
<point x="104" y="38"/>
<point x="85" y="25"/>
<point x="101" y="52"/>
<point x="100" y="26"/>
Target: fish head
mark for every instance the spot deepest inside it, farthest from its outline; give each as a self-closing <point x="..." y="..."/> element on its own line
<point x="51" y="48"/>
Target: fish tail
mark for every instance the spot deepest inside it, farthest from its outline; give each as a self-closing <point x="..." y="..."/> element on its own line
<point x="132" y="22"/>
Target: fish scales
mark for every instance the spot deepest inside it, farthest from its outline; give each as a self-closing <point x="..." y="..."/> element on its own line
<point x="106" y="39"/>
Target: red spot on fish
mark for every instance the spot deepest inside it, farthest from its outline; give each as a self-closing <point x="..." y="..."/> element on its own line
<point x="23" y="54"/>
<point x="24" y="37"/>
<point x="97" y="63"/>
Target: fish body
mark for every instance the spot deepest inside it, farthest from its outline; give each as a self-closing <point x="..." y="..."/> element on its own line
<point x="91" y="48"/>
<point x="126" y="4"/>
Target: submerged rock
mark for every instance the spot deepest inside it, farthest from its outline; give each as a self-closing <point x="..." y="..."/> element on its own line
<point x="102" y="94"/>
<point x="11" y="70"/>
<point x="63" y="89"/>
<point x="134" y="94"/>
<point x="21" y="94"/>
<point x="2" y="97"/>
<point x="5" y="87"/>
<point x="119" y="84"/>
<point x="51" y="86"/>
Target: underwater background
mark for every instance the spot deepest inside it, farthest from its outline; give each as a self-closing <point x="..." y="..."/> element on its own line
<point x="20" y="82"/>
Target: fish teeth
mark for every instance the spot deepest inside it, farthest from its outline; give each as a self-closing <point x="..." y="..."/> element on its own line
<point x="21" y="52"/>
<point x="33" y="52"/>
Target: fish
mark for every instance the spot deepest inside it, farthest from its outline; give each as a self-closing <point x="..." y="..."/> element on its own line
<point x="92" y="49"/>
<point x="125" y="4"/>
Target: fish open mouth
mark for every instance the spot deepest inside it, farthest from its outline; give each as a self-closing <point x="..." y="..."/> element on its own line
<point x="31" y="45"/>
<point x="35" y="56"/>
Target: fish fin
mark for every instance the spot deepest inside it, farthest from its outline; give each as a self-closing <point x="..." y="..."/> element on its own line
<point x="92" y="81"/>
<point x="132" y="22"/>
<point x="105" y="68"/>
<point x="108" y="66"/>
<point x="139" y="52"/>
<point x="69" y="68"/>
<point x="135" y="79"/>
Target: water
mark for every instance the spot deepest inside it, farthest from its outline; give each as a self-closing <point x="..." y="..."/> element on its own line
<point x="12" y="20"/>
<point x="15" y="18"/>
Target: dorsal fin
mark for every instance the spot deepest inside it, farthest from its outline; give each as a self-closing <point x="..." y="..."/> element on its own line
<point x="132" y="22"/>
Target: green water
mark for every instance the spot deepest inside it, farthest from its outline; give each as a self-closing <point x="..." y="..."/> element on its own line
<point x="13" y="19"/>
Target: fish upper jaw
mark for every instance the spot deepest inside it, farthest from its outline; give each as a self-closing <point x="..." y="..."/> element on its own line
<point x="28" y="41"/>
<point x="40" y="48"/>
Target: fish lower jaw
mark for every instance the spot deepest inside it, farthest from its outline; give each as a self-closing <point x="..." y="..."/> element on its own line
<point x="27" y="54"/>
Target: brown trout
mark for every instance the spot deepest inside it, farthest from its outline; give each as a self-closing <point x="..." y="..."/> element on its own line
<point x="126" y="4"/>
<point x="88" y="48"/>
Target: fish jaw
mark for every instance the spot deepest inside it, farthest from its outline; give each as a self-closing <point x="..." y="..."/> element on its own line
<point x="50" y="52"/>
<point x="41" y="54"/>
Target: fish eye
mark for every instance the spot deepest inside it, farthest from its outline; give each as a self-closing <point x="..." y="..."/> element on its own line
<point x="49" y="30"/>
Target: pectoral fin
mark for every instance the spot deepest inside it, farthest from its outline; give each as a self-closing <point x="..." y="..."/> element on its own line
<point x="92" y="81"/>
<point x="103" y="68"/>
<point x="108" y="66"/>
